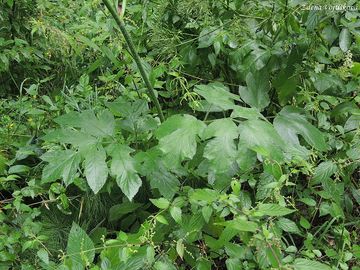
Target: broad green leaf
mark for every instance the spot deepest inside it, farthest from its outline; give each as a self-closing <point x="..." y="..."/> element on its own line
<point x="95" y="168"/>
<point x="180" y="248"/>
<point x="287" y="80"/>
<point x="330" y="34"/>
<point x="323" y="172"/>
<point x="43" y="255"/>
<point x="123" y="168"/>
<point x="256" y="92"/>
<point x="119" y="210"/>
<point x="61" y="164"/>
<point x="125" y="108"/>
<point x="160" y="203"/>
<point x="246" y="158"/>
<point x="217" y="95"/>
<point x="344" y="39"/>
<point x="176" y="213"/>
<point x="69" y="136"/>
<point x="206" y="211"/>
<point x="101" y="126"/>
<point x="204" y="194"/>
<point x="151" y="166"/>
<point x="289" y="123"/>
<point x="325" y="81"/>
<point x="305" y="264"/>
<point x="246" y="113"/>
<point x="240" y="225"/>
<point x="166" y="182"/>
<point x="233" y="264"/>
<point x="221" y="150"/>
<point x="80" y="248"/>
<point x="262" y="138"/>
<point x="353" y="123"/>
<point x="274" y="210"/>
<point x="177" y="137"/>
<point x="288" y="225"/>
<point x="207" y="37"/>
<point x="162" y="219"/>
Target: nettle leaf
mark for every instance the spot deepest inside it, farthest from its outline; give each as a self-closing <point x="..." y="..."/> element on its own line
<point x="177" y="137"/>
<point x="62" y="164"/>
<point x="80" y="248"/>
<point x="288" y="225"/>
<point x="262" y="138"/>
<point x="96" y="170"/>
<point x="274" y="210"/>
<point x="101" y="126"/>
<point x="305" y="264"/>
<point x="218" y="95"/>
<point x="256" y="92"/>
<point x="323" y="172"/>
<point x="221" y="150"/>
<point x="123" y="168"/>
<point x="289" y="123"/>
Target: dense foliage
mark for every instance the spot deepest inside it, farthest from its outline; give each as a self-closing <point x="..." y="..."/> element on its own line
<point x="256" y="165"/>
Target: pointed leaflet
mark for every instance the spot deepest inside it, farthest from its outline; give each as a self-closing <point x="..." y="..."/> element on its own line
<point x="221" y="150"/>
<point x="177" y="137"/>
<point x="62" y="164"/>
<point x="262" y="138"/>
<point x="80" y="248"/>
<point x="123" y="168"/>
<point x="256" y="92"/>
<point x="217" y="95"/>
<point x="100" y="126"/>
<point x="289" y="123"/>
<point x="96" y="170"/>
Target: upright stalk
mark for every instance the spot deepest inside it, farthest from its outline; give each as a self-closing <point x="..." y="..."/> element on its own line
<point x="136" y="57"/>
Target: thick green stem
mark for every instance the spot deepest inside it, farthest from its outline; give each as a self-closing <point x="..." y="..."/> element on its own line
<point x="136" y="57"/>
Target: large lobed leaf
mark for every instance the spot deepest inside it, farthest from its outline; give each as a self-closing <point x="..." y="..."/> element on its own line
<point x="221" y="149"/>
<point x="262" y="138"/>
<point x="61" y="165"/>
<point x="177" y="137"/>
<point x="290" y="123"/>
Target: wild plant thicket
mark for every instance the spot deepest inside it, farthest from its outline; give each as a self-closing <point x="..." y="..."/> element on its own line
<point x="256" y="165"/>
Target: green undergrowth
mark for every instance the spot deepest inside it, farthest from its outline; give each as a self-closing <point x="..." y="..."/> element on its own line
<point x="255" y="166"/>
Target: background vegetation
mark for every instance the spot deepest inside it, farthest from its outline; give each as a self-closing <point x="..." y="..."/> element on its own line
<point x="256" y="165"/>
